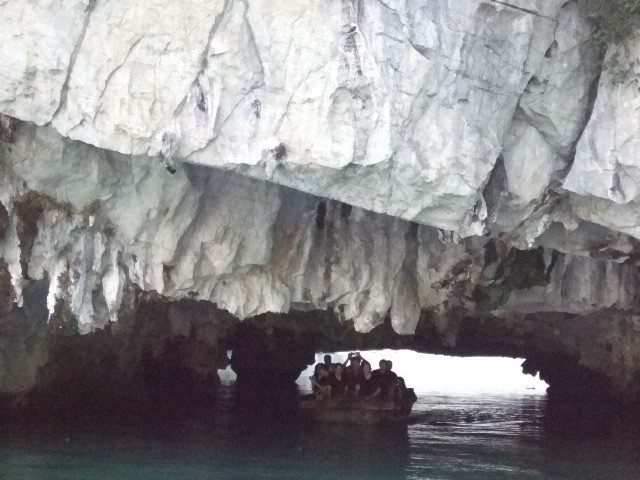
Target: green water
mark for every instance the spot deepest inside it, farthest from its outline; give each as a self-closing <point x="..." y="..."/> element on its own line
<point x="451" y="437"/>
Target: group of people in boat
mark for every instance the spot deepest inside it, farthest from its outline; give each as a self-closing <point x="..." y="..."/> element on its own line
<point x="355" y="379"/>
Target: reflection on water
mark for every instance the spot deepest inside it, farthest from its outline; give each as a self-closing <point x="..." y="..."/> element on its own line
<point x="450" y="437"/>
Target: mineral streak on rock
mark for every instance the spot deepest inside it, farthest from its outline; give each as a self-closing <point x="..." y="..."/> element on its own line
<point x="461" y="174"/>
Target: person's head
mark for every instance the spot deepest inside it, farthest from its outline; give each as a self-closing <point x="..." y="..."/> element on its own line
<point x="400" y="383"/>
<point x="355" y="360"/>
<point x="383" y="365"/>
<point x="389" y="365"/>
<point x="327" y="359"/>
<point x="339" y="369"/>
<point x="366" y="368"/>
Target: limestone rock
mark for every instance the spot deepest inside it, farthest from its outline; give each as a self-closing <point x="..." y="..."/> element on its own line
<point x="606" y="163"/>
<point x="38" y="42"/>
<point x="539" y="144"/>
<point x="253" y="247"/>
<point x="605" y="174"/>
<point x="390" y="106"/>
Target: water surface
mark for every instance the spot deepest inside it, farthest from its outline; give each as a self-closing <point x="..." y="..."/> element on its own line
<point x="453" y="437"/>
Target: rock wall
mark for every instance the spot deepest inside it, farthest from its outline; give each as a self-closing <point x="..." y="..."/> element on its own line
<point x="397" y="107"/>
<point x="100" y="220"/>
<point x="432" y="167"/>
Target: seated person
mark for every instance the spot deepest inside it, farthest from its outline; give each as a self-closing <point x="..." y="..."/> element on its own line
<point x="382" y="367"/>
<point x="403" y="396"/>
<point x="321" y="382"/>
<point x="390" y="370"/>
<point x="368" y="387"/>
<point x="353" y="358"/>
<point x="385" y="378"/>
<point x="339" y="382"/>
<point x="328" y="363"/>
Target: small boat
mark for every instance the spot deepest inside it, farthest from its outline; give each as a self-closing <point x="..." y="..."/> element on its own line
<point x="354" y="411"/>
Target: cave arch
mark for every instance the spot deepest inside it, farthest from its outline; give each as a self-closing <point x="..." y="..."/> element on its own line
<point x="169" y="353"/>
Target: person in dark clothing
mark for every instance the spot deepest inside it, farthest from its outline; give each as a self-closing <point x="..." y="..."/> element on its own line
<point x="382" y="368"/>
<point x="339" y="382"/>
<point x="321" y="382"/>
<point x="385" y="378"/>
<point x="390" y="369"/>
<point x="403" y="396"/>
<point x="353" y="372"/>
<point x="399" y="389"/>
<point x="329" y="365"/>
<point x="368" y="387"/>
<point x="390" y="378"/>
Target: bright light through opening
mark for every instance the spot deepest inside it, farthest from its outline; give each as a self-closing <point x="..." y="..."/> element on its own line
<point x="441" y="374"/>
<point x="438" y="373"/>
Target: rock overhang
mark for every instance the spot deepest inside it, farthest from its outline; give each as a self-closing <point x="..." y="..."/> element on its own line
<point x="394" y="107"/>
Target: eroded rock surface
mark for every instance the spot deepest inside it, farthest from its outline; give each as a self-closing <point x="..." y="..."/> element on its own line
<point x="397" y="107"/>
<point x="604" y="176"/>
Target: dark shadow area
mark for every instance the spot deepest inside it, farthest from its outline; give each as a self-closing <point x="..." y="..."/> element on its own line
<point x="565" y="417"/>
<point x="156" y="368"/>
<point x="267" y="406"/>
<point x="231" y="447"/>
<point x="153" y="372"/>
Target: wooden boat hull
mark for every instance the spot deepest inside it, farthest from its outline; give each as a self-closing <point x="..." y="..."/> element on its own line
<point x="354" y="413"/>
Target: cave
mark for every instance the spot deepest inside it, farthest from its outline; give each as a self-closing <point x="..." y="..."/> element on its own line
<point x="96" y="332"/>
<point x="161" y="359"/>
<point x="92" y="328"/>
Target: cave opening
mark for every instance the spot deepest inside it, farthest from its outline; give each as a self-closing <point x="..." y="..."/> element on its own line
<point x="435" y="379"/>
<point x="170" y="359"/>
<point x="431" y="374"/>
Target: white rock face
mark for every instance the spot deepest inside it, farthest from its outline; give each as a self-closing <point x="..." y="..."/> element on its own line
<point x="608" y="155"/>
<point x="397" y="107"/>
<point x="412" y="124"/>
<point x="606" y="170"/>
<point x="394" y="107"/>
<point x="253" y="247"/>
<point x="38" y="40"/>
<point x="150" y="54"/>
<point x="538" y="146"/>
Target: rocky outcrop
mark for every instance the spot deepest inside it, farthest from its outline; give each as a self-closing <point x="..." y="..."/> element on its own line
<point x="394" y="107"/>
<point x="252" y="247"/>
<point x="604" y="176"/>
<point x="458" y="174"/>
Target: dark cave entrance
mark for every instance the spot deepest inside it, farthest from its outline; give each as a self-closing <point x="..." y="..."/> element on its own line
<point x="163" y="359"/>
